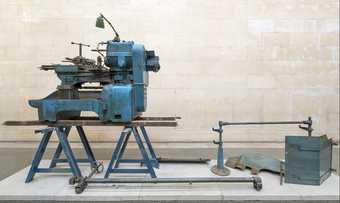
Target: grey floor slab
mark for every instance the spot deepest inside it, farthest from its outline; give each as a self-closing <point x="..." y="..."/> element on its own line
<point x="55" y="187"/>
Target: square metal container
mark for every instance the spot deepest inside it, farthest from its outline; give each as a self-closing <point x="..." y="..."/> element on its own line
<point x="308" y="160"/>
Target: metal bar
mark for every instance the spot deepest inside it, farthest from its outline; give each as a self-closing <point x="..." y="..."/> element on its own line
<point x="83" y="182"/>
<point x="87" y="146"/>
<point x="116" y="151"/>
<point x="157" y="118"/>
<point x="169" y="160"/>
<point x="171" y="180"/>
<point x="68" y="123"/>
<point x="68" y="152"/>
<point x="58" y="151"/>
<point x="154" y="118"/>
<point x="264" y="123"/>
<point x="149" y="145"/>
<point x="129" y="170"/>
<point x="134" y="161"/>
<point x="143" y="152"/>
<point x="78" y="160"/>
<point x="53" y="170"/>
<point x="307" y="124"/>
<point x="38" y="156"/>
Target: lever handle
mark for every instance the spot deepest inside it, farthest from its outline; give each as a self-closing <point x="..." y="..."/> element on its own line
<point x="80" y="47"/>
<point x="217" y="130"/>
<point x="80" y="44"/>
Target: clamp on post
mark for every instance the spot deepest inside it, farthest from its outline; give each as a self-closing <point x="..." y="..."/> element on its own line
<point x="307" y="128"/>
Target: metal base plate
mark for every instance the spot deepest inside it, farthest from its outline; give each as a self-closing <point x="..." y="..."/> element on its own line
<point x="220" y="171"/>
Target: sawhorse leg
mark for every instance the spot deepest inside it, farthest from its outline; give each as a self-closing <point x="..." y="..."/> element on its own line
<point x="87" y="147"/>
<point x="62" y="136"/>
<point x="61" y="133"/>
<point x="144" y="153"/>
<point x="88" y="150"/>
<point x="120" y="149"/>
<point x="58" y="151"/>
<point x="38" y="155"/>
<point x="121" y="152"/>
<point x="148" y="143"/>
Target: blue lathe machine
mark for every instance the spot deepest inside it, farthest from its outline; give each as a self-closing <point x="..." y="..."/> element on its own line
<point x="115" y="88"/>
<point x="120" y="94"/>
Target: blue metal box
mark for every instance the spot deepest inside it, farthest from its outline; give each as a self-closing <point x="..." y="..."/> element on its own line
<point x="308" y="160"/>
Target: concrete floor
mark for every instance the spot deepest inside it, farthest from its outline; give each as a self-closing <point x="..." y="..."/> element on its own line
<point x="54" y="187"/>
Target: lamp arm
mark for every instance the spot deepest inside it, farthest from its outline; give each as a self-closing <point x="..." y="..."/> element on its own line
<point x="117" y="39"/>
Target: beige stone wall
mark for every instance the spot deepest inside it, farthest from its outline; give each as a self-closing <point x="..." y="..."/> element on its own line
<point x="235" y="60"/>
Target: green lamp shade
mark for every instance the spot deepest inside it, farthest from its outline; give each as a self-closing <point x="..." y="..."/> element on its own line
<point x="100" y="22"/>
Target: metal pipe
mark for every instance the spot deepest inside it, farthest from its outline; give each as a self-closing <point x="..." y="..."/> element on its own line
<point x="307" y="122"/>
<point x="171" y="160"/>
<point x="171" y="180"/>
<point x="83" y="182"/>
<point x="263" y="123"/>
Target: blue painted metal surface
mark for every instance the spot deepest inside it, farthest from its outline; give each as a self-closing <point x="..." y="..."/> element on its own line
<point x="219" y="168"/>
<point x="149" y="159"/>
<point x="63" y="145"/>
<point x="308" y="160"/>
<point x="121" y="94"/>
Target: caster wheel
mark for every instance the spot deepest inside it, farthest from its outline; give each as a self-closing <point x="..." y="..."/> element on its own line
<point x="258" y="186"/>
<point x="72" y="181"/>
<point x="79" y="189"/>
<point x="257" y="183"/>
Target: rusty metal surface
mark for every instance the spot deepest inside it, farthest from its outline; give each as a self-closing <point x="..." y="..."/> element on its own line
<point x="93" y="121"/>
<point x="256" y="163"/>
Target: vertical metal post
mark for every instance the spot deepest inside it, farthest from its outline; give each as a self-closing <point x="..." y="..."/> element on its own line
<point x="148" y="143"/>
<point x="220" y="169"/>
<point x="58" y="151"/>
<point x="87" y="147"/>
<point x="38" y="156"/>
<point x="145" y="156"/>
<point x="61" y="133"/>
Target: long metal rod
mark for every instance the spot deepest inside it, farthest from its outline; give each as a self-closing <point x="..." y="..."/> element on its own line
<point x="308" y="124"/>
<point x="177" y="160"/>
<point x="83" y="182"/>
<point x="67" y="123"/>
<point x="171" y="180"/>
<point x="264" y="123"/>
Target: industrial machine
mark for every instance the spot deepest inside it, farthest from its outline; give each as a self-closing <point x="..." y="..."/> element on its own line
<point x="121" y="77"/>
